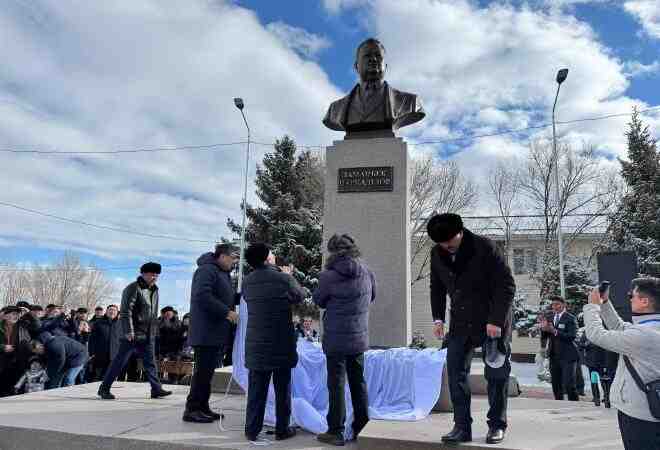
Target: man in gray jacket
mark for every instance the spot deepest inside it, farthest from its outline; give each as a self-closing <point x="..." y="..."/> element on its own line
<point x="640" y="342"/>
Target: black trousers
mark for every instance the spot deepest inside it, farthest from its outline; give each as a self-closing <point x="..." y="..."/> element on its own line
<point x="205" y="363"/>
<point x="460" y="350"/>
<point x="258" y="382"/>
<point x="579" y="378"/>
<point x="563" y="379"/>
<point x="9" y="376"/>
<point x="339" y="367"/>
<point x="126" y="350"/>
<point x="639" y="434"/>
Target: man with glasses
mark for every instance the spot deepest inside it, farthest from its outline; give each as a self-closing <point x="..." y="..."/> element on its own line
<point x="639" y="344"/>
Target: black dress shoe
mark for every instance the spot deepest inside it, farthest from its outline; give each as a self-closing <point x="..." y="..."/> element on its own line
<point x="212" y="415"/>
<point x="196" y="417"/>
<point x="332" y="439"/>
<point x="160" y="394"/>
<point x="458" y="435"/>
<point x="290" y="432"/>
<point x="495" y="436"/>
<point x="105" y="394"/>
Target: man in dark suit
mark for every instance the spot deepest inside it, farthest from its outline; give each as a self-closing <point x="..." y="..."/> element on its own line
<point x="270" y="341"/>
<point x="562" y="350"/>
<point x="473" y="273"/>
<point x="212" y="300"/>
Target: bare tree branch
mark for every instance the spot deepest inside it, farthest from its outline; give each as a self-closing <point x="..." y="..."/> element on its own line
<point x="66" y="283"/>
<point x="435" y="187"/>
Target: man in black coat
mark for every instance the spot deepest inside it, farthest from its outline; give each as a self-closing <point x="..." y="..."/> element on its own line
<point x="270" y="340"/>
<point x="212" y="300"/>
<point x="562" y="350"/>
<point x="472" y="272"/>
<point x="104" y="342"/>
<point x="169" y="334"/>
<point x="139" y="322"/>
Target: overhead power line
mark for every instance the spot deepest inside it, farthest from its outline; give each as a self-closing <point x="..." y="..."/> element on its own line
<point x="6" y="268"/>
<point x="466" y="137"/>
<point x="536" y="127"/>
<point x="102" y="227"/>
<point x="111" y="152"/>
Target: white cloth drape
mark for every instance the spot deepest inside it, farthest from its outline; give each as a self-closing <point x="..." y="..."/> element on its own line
<point x="403" y="384"/>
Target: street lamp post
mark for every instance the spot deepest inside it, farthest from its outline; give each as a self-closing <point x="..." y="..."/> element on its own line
<point x="240" y="105"/>
<point x="561" y="77"/>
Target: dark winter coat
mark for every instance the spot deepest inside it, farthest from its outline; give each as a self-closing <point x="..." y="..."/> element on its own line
<point x="169" y="336"/>
<point x="211" y="299"/>
<point x="563" y="347"/>
<point x="594" y="356"/>
<point x="270" y="340"/>
<point x="63" y="353"/>
<point x="57" y="326"/>
<point x="104" y="339"/>
<point x="139" y="314"/>
<point x="479" y="283"/>
<point x="20" y="339"/>
<point x="346" y="289"/>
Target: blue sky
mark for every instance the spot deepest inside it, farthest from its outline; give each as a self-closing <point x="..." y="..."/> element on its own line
<point x="145" y="74"/>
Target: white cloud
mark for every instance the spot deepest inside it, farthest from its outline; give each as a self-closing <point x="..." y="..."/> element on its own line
<point x="647" y="12"/>
<point x="102" y="76"/>
<point x="636" y="68"/>
<point x="298" y="39"/>
<point x="481" y="70"/>
<point x="337" y="6"/>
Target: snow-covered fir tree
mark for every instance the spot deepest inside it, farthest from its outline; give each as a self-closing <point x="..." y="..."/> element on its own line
<point x="636" y="223"/>
<point x="290" y="188"/>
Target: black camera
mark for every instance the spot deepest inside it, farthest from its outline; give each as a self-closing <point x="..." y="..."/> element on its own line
<point x="603" y="287"/>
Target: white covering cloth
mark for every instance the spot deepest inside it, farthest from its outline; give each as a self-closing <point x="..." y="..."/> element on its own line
<point x="403" y="384"/>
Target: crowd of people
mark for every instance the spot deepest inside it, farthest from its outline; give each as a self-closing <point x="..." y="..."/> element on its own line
<point x="47" y="349"/>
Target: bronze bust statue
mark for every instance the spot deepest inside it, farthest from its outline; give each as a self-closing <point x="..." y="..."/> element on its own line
<point x="373" y="104"/>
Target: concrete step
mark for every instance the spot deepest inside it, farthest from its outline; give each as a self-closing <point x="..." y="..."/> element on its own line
<point x="533" y="424"/>
<point x="478" y="385"/>
<point x="220" y="380"/>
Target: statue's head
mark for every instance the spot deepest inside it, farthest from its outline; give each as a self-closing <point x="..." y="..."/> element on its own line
<point x="370" y="60"/>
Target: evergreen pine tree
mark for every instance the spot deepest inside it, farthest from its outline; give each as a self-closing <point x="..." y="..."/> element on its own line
<point x="636" y="223"/>
<point x="290" y="188"/>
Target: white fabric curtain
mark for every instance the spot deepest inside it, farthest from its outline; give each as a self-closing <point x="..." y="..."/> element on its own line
<point x="403" y="384"/>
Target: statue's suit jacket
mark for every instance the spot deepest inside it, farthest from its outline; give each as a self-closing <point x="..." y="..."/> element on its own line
<point x="401" y="109"/>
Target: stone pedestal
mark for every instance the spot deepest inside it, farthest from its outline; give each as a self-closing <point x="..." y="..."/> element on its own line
<point x="379" y="222"/>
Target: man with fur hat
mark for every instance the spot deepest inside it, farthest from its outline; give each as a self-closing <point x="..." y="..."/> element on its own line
<point x="473" y="273"/>
<point x="139" y="322"/>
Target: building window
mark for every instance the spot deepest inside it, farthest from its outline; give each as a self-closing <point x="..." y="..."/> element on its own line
<point x="518" y="261"/>
<point x="531" y="260"/>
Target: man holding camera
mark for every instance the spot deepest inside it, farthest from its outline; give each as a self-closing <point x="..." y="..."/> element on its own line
<point x="270" y="341"/>
<point x="638" y="345"/>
